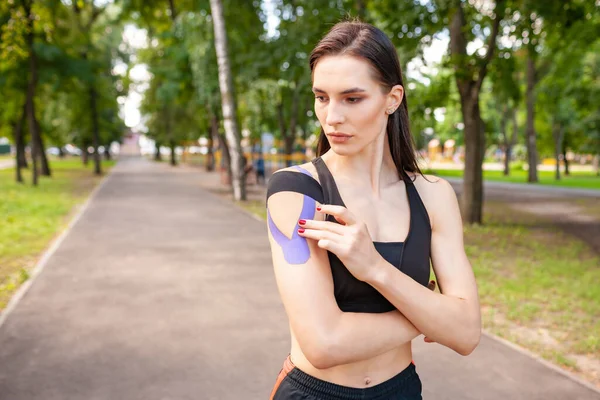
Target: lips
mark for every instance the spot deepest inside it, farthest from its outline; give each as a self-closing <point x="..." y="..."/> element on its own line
<point x="339" y="134"/>
<point x="339" y="138"/>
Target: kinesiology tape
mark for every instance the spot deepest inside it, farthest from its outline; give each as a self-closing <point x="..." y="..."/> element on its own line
<point x="295" y="250"/>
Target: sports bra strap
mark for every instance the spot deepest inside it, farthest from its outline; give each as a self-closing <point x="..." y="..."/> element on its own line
<point x="331" y="194"/>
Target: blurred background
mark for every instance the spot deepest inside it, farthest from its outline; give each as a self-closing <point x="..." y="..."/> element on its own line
<point x="503" y="94"/>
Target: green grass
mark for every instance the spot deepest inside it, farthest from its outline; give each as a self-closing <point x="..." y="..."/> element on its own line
<point x="4" y="157"/>
<point x="531" y="277"/>
<point x="537" y="277"/>
<point x="584" y="180"/>
<point x="30" y="217"/>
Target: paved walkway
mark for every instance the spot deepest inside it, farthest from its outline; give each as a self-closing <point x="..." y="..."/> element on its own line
<point x="162" y="290"/>
<point x="493" y="189"/>
<point x="4" y="164"/>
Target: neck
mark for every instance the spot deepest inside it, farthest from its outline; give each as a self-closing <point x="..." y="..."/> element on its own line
<point x="373" y="167"/>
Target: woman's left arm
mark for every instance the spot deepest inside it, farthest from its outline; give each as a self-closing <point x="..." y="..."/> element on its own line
<point x="452" y="317"/>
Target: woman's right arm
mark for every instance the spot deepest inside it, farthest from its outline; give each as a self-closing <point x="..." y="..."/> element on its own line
<point x="327" y="336"/>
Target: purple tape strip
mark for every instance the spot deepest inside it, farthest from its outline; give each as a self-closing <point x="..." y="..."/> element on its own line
<point x="295" y="250"/>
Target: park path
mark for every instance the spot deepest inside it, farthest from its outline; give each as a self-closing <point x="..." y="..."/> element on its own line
<point x="4" y="164"/>
<point x="163" y="290"/>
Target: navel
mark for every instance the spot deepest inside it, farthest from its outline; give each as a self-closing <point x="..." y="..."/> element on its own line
<point x="367" y="381"/>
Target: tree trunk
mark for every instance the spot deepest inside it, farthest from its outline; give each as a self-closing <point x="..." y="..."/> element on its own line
<point x="225" y="156"/>
<point x="503" y="123"/>
<point x="532" y="156"/>
<point x="515" y="133"/>
<point x="213" y="134"/>
<point x="507" y="156"/>
<point x="228" y="102"/>
<point x="173" y="10"/>
<point x="173" y="155"/>
<point x="85" y="156"/>
<point x="557" y="133"/>
<point x="106" y="152"/>
<point x="289" y="145"/>
<point x="157" y="155"/>
<point x="45" y="166"/>
<point x="282" y="128"/>
<point x="95" y="129"/>
<point x="289" y="133"/>
<point x="469" y="84"/>
<point x="564" y="153"/>
<point x="209" y="162"/>
<point x="30" y="99"/>
<point x="472" y="194"/>
<point x="20" y="160"/>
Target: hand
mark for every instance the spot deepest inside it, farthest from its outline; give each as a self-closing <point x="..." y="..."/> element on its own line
<point x="350" y="241"/>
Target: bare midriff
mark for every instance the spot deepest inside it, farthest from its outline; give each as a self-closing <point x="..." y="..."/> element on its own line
<point x="361" y="374"/>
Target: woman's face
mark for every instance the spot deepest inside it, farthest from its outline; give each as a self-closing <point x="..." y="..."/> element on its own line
<point x="350" y="104"/>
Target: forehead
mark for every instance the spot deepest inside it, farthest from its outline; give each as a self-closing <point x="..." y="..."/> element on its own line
<point x="333" y="73"/>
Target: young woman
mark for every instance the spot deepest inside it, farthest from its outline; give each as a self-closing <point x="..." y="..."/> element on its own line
<point x="352" y="234"/>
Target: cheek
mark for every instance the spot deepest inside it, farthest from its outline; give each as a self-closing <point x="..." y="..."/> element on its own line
<point x="370" y="115"/>
<point x="320" y="112"/>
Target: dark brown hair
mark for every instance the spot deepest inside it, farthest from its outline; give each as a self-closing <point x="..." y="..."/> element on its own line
<point x="365" y="41"/>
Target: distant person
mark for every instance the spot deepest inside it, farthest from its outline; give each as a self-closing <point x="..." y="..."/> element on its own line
<point x="260" y="170"/>
<point x="352" y="234"/>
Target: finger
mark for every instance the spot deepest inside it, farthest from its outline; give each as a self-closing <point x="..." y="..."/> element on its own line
<point x="331" y="246"/>
<point x="427" y="340"/>
<point x="342" y="214"/>
<point x="316" y="234"/>
<point x="325" y="239"/>
<point x="322" y="225"/>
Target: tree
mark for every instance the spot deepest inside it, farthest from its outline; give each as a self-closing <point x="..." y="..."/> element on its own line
<point x="232" y="131"/>
<point x="469" y="74"/>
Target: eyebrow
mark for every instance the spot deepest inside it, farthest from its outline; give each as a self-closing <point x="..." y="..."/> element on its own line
<point x="351" y="90"/>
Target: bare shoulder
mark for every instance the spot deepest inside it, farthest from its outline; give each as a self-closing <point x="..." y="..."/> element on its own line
<point x="437" y="195"/>
<point x="309" y="166"/>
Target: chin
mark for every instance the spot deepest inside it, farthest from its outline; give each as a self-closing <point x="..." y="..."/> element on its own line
<point x="343" y="150"/>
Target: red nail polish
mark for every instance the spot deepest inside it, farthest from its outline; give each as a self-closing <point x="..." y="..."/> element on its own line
<point x="318" y="208"/>
<point x="300" y="230"/>
<point x="301" y="222"/>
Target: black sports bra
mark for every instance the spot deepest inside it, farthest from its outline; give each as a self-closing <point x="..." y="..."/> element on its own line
<point x="412" y="256"/>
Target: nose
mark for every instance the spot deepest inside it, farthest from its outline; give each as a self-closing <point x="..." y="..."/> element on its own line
<point x="335" y="114"/>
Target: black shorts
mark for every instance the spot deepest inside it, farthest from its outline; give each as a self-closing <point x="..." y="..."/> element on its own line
<point x="294" y="384"/>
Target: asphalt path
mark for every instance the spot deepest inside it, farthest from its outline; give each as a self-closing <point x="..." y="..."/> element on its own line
<point x="162" y="290"/>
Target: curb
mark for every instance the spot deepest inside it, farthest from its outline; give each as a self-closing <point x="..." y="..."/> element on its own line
<point x="555" y="368"/>
<point x="50" y="250"/>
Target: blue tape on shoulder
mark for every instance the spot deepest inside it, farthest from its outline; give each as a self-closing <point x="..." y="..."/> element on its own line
<point x="295" y="250"/>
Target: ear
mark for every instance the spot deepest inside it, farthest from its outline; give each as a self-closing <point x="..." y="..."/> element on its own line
<point x="395" y="97"/>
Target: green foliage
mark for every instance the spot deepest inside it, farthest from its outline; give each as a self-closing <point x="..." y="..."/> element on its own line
<point x="75" y="48"/>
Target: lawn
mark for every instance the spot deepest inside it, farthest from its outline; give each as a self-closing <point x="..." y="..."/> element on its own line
<point x="538" y="286"/>
<point x="584" y="180"/>
<point x="30" y="217"/>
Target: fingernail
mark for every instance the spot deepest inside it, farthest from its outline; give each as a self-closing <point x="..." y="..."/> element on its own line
<point x="301" y="222"/>
<point x="318" y="208"/>
<point x="300" y="230"/>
